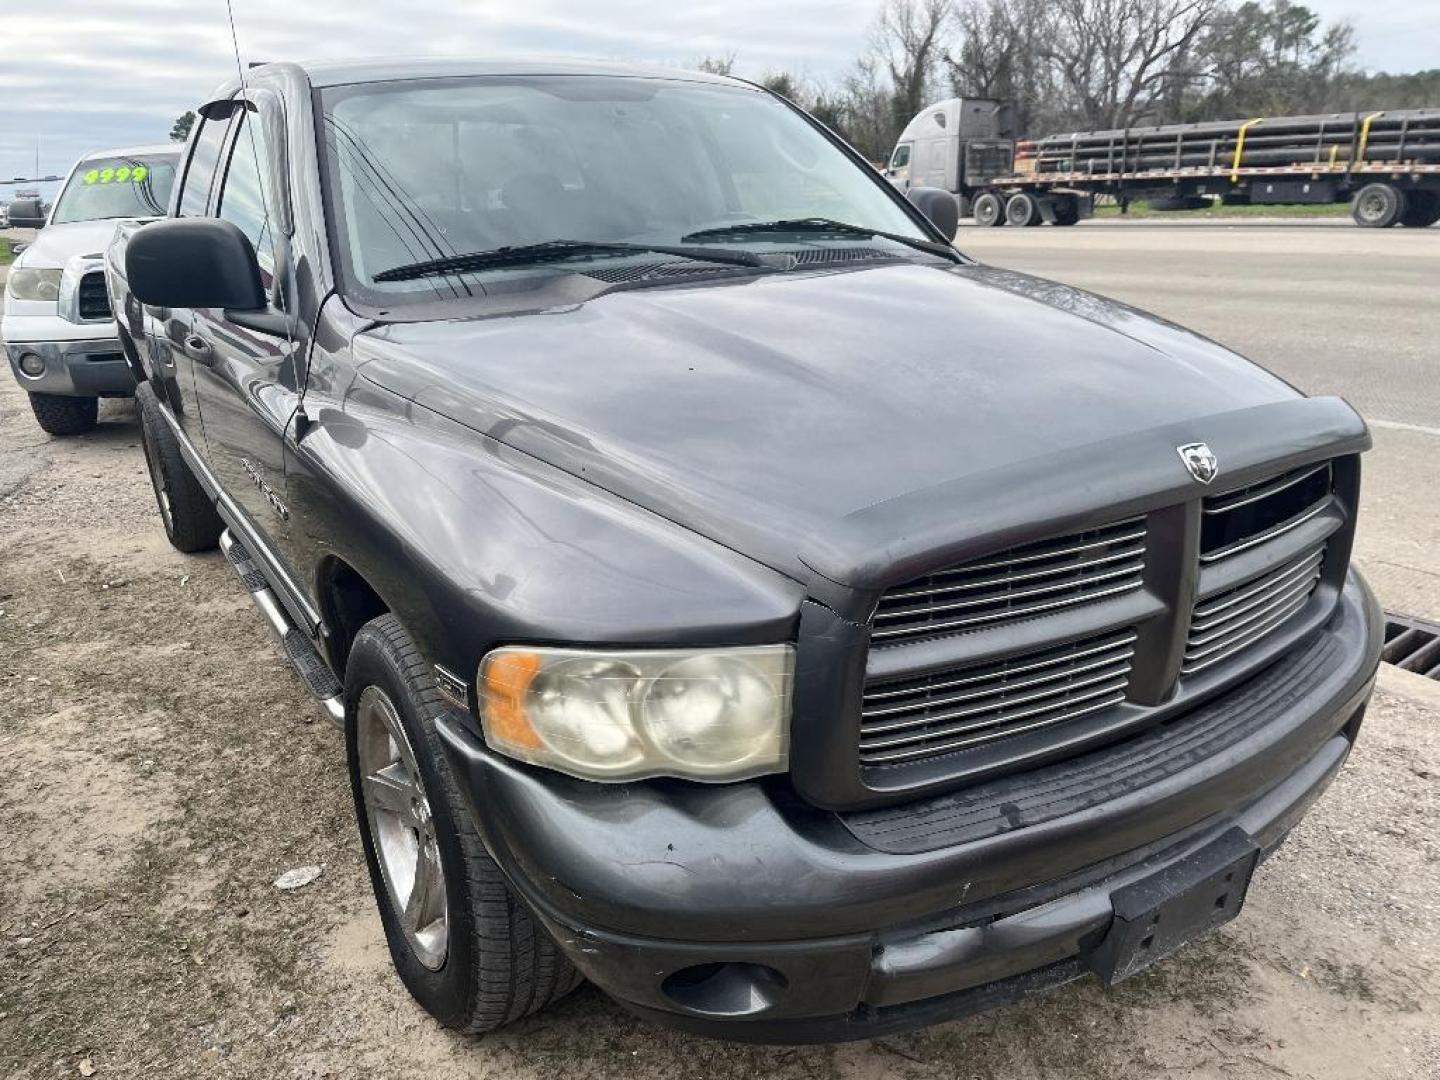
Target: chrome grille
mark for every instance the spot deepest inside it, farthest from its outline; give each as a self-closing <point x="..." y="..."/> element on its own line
<point x="1239" y="520"/>
<point x="1020" y="583"/>
<point x="1228" y="622"/>
<point x="953" y="709"/>
<point x="92" y="300"/>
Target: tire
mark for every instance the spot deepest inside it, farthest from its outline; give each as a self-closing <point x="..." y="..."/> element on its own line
<point x="495" y="964"/>
<point x="1422" y="209"/>
<point x="1067" y="211"/>
<point x="190" y="519"/>
<point x="61" y="414"/>
<point x="989" y="210"/>
<point x="1023" y="211"/>
<point x="1378" y="206"/>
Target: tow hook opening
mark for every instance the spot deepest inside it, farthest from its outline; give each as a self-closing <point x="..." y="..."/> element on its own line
<point x="725" y="989"/>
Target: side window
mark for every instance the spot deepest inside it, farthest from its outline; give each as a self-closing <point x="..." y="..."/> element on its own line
<point x="201" y="170"/>
<point x="902" y="156"/>
<point x="245" y="198"/>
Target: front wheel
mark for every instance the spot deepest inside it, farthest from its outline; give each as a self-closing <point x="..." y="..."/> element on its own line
<point x="463" y="945"/>
<point x="61" y="414"/>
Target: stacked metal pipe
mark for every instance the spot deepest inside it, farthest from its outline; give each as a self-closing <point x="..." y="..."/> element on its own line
<point x="1376" y="136"/>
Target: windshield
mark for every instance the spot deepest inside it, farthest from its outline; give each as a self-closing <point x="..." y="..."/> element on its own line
<point x="118" y="186"/>
<point x="427" y="170"/>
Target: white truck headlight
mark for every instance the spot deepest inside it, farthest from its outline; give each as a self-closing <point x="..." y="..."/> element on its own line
<point x="34" y="284"/>
<point x="700" y="714"/>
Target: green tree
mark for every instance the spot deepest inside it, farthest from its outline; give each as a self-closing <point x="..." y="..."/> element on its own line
<point x="180" y="130"/>
<point x="784" y="84"/>
<point x="1271" y="59"/>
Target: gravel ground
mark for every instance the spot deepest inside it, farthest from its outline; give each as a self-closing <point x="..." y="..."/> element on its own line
<point x="160" y="766"/>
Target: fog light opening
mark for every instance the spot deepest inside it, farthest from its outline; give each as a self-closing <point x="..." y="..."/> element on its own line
<point x="728" y="989"/>
<point x="31" y="364"/>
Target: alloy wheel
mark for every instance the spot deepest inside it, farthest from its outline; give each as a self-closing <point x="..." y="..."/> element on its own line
<point x="401" y="827"/>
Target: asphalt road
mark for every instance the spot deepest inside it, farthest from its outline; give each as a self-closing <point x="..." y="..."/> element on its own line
<point x="1332" y="308"/>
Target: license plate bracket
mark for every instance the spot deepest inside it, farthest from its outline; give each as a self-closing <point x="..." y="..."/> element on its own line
<point x="1158" y="914"/>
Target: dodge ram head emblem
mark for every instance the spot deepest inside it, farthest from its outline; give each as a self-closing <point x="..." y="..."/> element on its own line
<point x="1200" y="460"/>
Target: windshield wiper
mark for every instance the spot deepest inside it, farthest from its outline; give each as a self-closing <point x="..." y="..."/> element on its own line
<point x="554" y="251"/>
<point x="821" y="225"/>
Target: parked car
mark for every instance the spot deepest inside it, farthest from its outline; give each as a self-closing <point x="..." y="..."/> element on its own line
<point x="60" y="335"/>
<point x="27" y="210"/>
<point x="729" y="592"/>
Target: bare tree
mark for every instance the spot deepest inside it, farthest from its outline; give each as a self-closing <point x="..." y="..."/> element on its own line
<point x="1115" y="60"/>
<point x="868" y="111"/>
<point x="717" y="65"/>
<point x="909" y="39"/>
<point x="995" y="53"/>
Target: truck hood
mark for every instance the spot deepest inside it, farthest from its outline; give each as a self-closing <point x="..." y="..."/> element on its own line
<point x="769" y="412"/>
<point x="54" y="245"/>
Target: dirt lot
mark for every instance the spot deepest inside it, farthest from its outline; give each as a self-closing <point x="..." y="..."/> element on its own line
<point x="160" y="767"/>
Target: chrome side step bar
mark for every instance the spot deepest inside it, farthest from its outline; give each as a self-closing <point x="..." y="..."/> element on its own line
<point x="313" y="672"/>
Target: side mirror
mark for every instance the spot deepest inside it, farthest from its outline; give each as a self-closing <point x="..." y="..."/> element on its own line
<point x="27" y="214"/>
<point x="939" y="206"/>
<point x="194" y="262"/>
<point x="18" y="248"/>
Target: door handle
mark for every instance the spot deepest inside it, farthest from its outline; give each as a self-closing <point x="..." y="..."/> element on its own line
<point x="199" y="349"/>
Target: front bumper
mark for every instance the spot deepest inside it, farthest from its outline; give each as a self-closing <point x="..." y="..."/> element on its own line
<point x="741" y="912"/>
<point x="85" y="367"/>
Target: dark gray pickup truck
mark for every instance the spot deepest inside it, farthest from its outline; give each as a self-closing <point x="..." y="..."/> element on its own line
<point x="731" y="593"/>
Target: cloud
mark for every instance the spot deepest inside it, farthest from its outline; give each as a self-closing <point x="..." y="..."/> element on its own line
<point x="90" y="76"/>
<point x="78" y="76"/>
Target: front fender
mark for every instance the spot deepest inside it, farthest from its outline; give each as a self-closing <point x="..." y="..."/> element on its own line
<point x="473" y="543"/>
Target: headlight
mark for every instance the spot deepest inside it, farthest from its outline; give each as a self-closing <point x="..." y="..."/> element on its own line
<point x="702" y="714"/>
<point x="34" y="284"/>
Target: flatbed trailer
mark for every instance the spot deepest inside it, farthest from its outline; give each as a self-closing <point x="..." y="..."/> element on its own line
<point x="1385" y="164"/>
<point x="1381" y="194"/>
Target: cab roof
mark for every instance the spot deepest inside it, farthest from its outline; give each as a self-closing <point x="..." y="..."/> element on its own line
<point x="385" y="69"/>
<point x="152" y="150"/>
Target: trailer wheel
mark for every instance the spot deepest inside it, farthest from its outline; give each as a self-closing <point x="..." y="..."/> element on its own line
<point x="989" y="210"/>
<point x="1067" y="211"/>
<point x="1422" y="209"/>
<point x="1378" y="206"/>
<point x="1023" y="210"/>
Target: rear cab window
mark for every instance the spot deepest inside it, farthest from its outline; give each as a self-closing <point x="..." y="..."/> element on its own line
<point x="245" y="196"/>
<point x="200" y="170"/>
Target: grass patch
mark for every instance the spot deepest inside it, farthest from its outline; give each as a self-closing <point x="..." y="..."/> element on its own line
<point x="1141" y="209"/>
<point x="7" y="254"/>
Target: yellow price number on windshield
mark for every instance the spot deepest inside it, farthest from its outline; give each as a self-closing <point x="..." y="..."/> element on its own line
<point x="116" y="174"/>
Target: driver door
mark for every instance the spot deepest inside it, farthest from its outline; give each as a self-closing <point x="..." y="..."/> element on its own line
<point x="246" y="381"/>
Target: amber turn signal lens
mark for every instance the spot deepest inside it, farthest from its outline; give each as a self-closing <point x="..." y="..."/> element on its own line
<point x="508" y="676"/>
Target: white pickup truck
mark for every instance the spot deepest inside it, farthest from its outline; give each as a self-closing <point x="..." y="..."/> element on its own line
<point x="60" y="335"/>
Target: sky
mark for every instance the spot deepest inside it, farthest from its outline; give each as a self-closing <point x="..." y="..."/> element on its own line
<point x="78" y="75"/>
